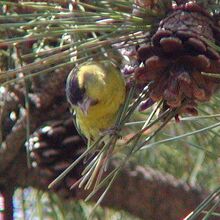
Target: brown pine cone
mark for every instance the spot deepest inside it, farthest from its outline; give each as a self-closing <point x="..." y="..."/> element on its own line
<point x="177" y="57"/>
<point x="53" y="148"/>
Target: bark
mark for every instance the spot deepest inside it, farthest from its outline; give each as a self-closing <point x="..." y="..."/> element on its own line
<point x="46" y="104"/>
<point x="152" y="195"/>
<point x="143" y="192"/>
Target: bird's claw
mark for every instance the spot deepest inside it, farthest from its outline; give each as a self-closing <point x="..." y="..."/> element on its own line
<point x="114" y="131"/>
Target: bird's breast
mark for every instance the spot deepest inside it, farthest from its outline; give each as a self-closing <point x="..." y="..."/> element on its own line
<point x="99" y="118"/>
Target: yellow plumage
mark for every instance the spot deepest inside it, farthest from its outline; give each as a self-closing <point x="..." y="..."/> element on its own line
<point x="103" y="90"/>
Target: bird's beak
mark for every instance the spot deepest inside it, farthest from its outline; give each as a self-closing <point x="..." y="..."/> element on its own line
<point x="85" y="104"/>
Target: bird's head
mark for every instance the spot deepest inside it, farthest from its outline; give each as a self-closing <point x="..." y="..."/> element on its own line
<point x="85" y="86"/>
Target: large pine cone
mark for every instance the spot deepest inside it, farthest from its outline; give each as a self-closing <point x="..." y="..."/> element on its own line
<point x="179" y="54"/>
<point x="53" y="148"/>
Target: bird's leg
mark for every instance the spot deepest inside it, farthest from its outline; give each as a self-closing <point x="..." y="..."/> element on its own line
<point x="113" y="131"/>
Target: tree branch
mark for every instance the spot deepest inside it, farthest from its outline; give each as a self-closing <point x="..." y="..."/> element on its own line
<point x="150" y="194"/>
<point x="143" y="192"/>
<point x="50" y="104"/>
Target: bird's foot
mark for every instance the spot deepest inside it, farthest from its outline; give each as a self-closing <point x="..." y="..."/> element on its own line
<point x="113" y="131"/>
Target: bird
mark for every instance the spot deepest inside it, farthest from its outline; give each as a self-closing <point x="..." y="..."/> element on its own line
<point x="96" y="91"/>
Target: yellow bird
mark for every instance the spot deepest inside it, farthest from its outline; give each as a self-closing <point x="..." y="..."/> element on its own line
<point x="95" y="90"/>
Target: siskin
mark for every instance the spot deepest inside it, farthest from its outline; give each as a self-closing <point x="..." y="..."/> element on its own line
<point x="95" y="90"/>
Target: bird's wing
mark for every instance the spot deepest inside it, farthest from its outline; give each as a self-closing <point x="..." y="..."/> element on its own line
<point x="76" y="124"/>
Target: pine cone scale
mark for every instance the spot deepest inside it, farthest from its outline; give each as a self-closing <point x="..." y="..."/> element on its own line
<point x="182" y="40"/>
<point x="53" y="148"/>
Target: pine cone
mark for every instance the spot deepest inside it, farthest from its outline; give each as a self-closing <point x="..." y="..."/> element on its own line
<point x="178" y="55"/>
<point x="53" y="148"/>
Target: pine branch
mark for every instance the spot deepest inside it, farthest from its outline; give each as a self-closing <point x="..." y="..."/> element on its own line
<point x="143" y="192"/>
